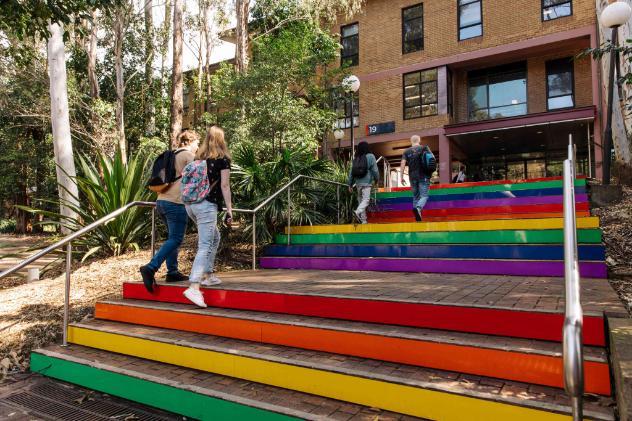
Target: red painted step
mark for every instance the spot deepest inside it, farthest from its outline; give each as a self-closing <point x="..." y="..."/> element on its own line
<point x="531" y="324"/>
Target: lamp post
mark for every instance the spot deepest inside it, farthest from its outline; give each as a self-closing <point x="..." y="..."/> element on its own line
<point x="613" y="16"/>
<point x="351" y="84"/>
<point x="338" y="135"/>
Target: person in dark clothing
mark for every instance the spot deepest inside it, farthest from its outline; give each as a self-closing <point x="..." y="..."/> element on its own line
<point x="171" y="211"/>
<point x="363" y="183"/>
<point x="419" y="182"/>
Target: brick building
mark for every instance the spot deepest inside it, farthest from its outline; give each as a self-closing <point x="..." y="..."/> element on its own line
<point x="493" y="84"/>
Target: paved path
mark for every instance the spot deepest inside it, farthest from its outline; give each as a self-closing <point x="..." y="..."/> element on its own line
<point x="14" y="249"/>
<point x="516" y="292"/>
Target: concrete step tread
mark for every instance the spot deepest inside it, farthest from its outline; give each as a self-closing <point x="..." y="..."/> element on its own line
<point x="509" y="392"/>
<point x="530" y="346"/>
<point x="275" y="399"/>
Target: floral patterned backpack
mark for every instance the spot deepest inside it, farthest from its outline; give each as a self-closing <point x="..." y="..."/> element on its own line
<point x="195" y="185"/>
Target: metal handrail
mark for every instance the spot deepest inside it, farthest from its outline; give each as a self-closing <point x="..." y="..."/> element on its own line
<point x="67" y="241"/>
<point x="573" y="317"/>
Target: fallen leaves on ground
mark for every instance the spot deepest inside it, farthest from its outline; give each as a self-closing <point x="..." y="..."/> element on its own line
<point x="31" y="313"/>
<point x="616" y="225"/>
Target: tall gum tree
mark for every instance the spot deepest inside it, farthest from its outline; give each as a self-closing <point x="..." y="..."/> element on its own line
<point x="60" y="121"/>
<point x="176" y="72"/>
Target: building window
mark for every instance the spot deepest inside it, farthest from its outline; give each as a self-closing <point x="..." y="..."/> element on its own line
<point x="185" y="101"/>
<point x="553" y="9"/>
<point x="413" y="29"/>
<point x="342" y="106"/>
<point x="560" y="84"/>
<point x="497" y="92"/>
<point x="420" y="94"/>
<point x="470" y="19"/>
<point x="349" y="38"/>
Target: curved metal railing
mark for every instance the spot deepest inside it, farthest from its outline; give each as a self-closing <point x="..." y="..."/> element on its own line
<point x="573" y="317"/>
<point x="67" y="240"/>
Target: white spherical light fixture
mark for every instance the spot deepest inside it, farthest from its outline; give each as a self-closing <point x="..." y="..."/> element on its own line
<point x="351" y="83"/>
<point x="616" y="14"/>
<point x="339" y="134"/>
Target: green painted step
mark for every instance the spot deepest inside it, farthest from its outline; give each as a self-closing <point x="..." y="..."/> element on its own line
<point x="584" y="236"/>
<point x="160" y="395"/>
<point x="484" y="189"/>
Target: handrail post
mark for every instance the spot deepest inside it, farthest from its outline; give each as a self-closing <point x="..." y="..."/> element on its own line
<point x="338" y="202"/>
<point x="153" y="231"/>
<point x="67" y="294"/>
<point x="289" y="212"/>
<point x="254" y="241"/>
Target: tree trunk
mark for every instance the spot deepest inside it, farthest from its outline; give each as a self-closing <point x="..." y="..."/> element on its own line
<point x="241" y="54"/>
<point x="164" y="45"/>
<point x="199" y="94"/>
<point x="119" y="34"/>
<point x="62" y="142"/>
<point x="208" y="36"/>
<point x="150" y="112"/>
<point x="176" y="72"/>
<point x="92" y="58"/>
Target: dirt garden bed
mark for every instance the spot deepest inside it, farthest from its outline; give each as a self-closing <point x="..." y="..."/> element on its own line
<point x="31" y="313"/>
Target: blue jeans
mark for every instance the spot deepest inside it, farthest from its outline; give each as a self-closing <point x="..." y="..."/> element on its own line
<point x="420" y="190"/>
<point x="204" y="214"/>
<point x="175" y="218"/>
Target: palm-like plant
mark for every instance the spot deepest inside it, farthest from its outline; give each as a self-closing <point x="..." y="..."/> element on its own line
<point x="254" y="181"/>
<point x="102" y="190"/>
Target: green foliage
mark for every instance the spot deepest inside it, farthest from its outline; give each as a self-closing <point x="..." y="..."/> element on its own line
<point x="150" y="147"/>
<point x="254" y="180"/>
<point x="120" y="183"/>
<point x="31" y="18"/>
<point x="7" y="226"/>
<point x="625" y="53"/>
<point x="283" y="98"/>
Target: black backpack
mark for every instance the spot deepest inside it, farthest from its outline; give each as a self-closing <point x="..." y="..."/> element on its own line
<point x="163" y="172"/>
<point x="360" y="166"/>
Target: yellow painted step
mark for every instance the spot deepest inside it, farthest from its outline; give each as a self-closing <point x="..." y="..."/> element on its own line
<point x="375" y="392"/>
<point x="501" y="224"/>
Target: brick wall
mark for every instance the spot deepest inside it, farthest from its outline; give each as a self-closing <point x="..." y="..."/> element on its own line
<point x="380" y="49"/>
<point x="504" y="21"/>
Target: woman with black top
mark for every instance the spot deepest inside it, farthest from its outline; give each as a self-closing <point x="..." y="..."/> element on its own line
<point x="204" y="213"/>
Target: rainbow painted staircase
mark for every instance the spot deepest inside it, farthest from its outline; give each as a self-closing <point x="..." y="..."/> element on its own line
<point x="426" y="323"/>
<point x="509" y="229"/>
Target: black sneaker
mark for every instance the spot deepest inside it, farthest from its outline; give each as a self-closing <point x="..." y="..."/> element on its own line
<point x="417" y="214"/>
<point x="176" y="277"/>
<point x="148" y="278"/>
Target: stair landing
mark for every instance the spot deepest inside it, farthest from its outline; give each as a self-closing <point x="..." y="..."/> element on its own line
<point x="492" y="291"/>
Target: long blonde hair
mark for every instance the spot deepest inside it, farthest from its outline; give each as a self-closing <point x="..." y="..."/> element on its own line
<point x="213" y="146"/>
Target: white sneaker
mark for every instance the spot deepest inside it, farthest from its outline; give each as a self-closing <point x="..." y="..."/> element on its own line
<point x="210" y="280"/>
<point x="195" y="296"/>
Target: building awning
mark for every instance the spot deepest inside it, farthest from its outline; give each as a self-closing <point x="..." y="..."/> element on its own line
<point x="530" y="120"/>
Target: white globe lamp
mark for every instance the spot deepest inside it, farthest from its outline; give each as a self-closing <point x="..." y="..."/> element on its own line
<point x="339" y="134"/>
<point x="351" y="83"/>
<point x="616" y="14"/>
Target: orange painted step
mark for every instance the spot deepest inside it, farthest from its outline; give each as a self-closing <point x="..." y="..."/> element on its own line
<point x="530" y="361"/>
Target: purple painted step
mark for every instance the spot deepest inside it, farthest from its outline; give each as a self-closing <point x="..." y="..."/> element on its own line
<point x="517" y="201"/>
<point x="474" y="267"/>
